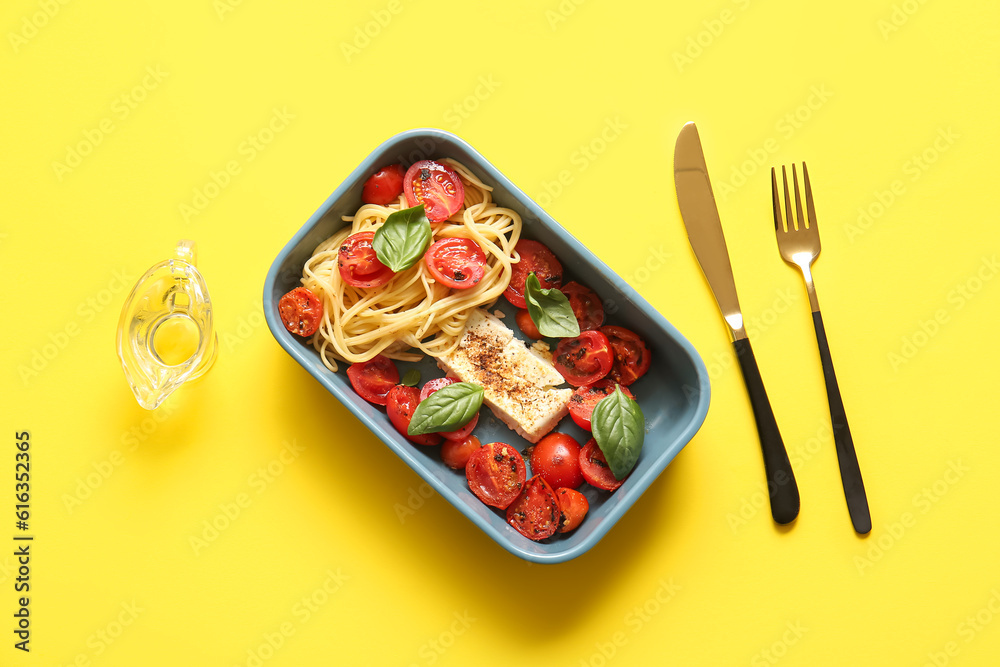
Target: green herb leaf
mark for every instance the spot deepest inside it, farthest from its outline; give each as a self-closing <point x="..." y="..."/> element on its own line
<point x="403" y="238"/>
<point x="619" y="427"/>
<point x="447" y="409"/>
<point x="411" y="378"/>
<point x="550" y="310"/>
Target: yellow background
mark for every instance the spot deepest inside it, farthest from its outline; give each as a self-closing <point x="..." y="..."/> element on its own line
<point x="876" y="96"/>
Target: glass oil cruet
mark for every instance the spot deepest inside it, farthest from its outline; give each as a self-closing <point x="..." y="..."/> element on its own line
<point x="166" y="333"/>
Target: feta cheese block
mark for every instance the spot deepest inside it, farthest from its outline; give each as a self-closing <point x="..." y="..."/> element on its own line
<point x="518" y="383"/>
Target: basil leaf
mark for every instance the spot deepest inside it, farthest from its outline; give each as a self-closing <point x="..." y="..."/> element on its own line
<point x="550" y="310"/>
<point x="447" y="409"/>
<point x="403" y="238"/>
<point x="619" y="427"/>
<point x="411" y="378"/>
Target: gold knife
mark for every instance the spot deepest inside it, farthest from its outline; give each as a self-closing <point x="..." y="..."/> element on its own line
<point x="704" y="229"/>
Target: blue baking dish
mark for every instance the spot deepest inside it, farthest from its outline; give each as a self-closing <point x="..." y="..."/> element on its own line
<point x="674" y="394"/>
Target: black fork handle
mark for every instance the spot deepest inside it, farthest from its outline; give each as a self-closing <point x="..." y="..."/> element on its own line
<point x="850" y="470"/>
<point x="781" y="486"/>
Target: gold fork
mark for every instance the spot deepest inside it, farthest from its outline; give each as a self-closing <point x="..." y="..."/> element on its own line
<point x="798" y="242"/>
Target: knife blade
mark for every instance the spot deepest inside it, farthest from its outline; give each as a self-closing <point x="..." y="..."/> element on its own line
<point x="704" y="229"/>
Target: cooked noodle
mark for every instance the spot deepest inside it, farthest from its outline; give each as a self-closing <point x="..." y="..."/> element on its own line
<point x="412" y="314"/>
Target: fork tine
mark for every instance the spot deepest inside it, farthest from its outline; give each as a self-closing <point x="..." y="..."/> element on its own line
<point x="809" y="197"/>
<point x="788" y="202"/>
<point x="779" y="225"/>
<point x="800" y="219"/>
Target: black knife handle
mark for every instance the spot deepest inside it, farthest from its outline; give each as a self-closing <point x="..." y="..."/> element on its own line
<point x="783" y="491"/>
<point x="850" y="471"/>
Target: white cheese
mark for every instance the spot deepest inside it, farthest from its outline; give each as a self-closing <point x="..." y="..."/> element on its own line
<point x="518" y="384"/>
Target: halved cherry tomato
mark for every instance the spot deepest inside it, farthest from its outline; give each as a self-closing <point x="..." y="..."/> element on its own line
<point x="373" y="379"/>
<point x="535" y="513"/>
<point x="527" y="325"/>
<point x="301" y="311"/>
<point x="586" y="305"/>
<point x="433" y="385"/>
<point x="496" y="474"/>
<point x="400" y="404"/>
<point x="573" y="507"/>
<point x="460" y="433"/>
<point x="556" y="458"/>
<point x="584" y="359"/>
<point x="438" y="187"/>
<point x="595" y="468"/>
<point x="456" y="263"/>
<point x="384" y="186"/>
<point x="359" y="265"/>
<point x="456" y="453"/>
<point x="585" y="399"/>
<point x="632" y="357"/>
<point x="536" y="258"/>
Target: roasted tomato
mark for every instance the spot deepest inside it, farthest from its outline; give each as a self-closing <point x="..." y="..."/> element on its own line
<point x="301" y="311"/>
<point x="585" y="399"/>
<point x="373" y="379"/>
<point x="456" y="453"/>
<point x="456" y="263"/>
<point x="632" y="357"/>
<point x="359" y="265"/>
<point x="458" y="434"/>
<point x="536" y="258"/>
<point x="595" y="468"/>
<point x="384" y="186"/>
<point x="433" y="385"/>
<point x="496" y="474"/>
<point x="527" y="325"/>
<point x="535" y="513"/>
<point x="586" y="305"/>
<point x="585" y="359"/>
<point x="437" y="186"/>
<point x="556" y="458"/>
<point x="573" y="507"/>
<point x="400" y="404"/>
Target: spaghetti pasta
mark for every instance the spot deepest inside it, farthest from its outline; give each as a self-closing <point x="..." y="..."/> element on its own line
<point x="412" y="314"/>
